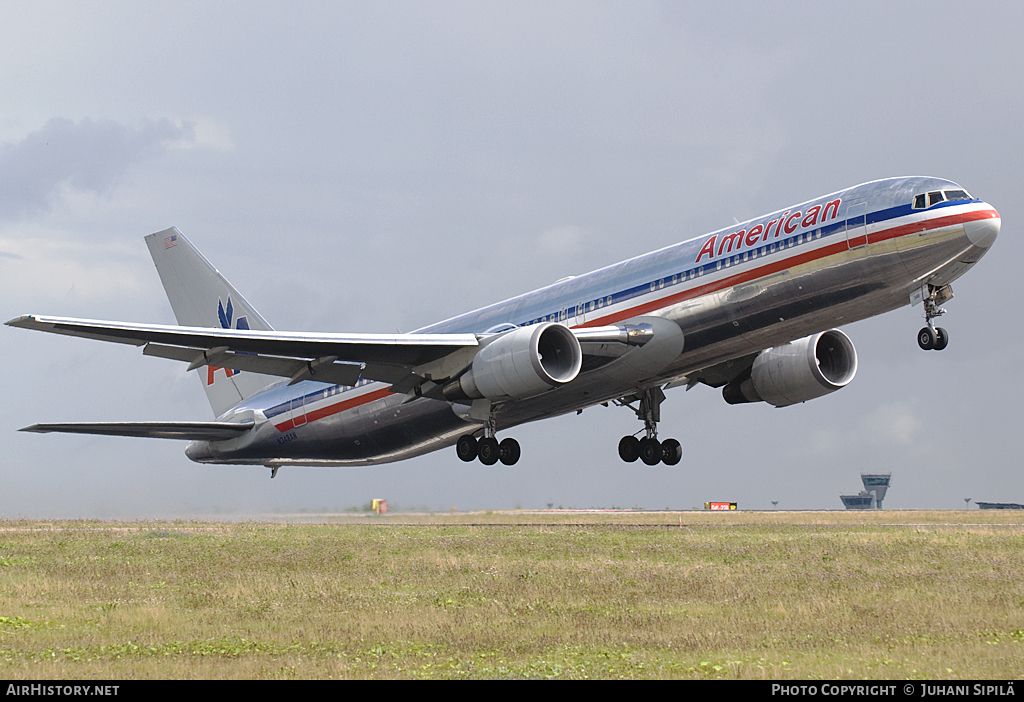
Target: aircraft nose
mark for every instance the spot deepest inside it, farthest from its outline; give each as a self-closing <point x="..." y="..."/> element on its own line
<point x="983" y="232"/>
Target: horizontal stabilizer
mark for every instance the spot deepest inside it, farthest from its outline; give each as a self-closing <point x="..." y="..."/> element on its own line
<point x="190" y="431"/>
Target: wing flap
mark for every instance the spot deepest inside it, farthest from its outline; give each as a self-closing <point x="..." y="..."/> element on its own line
<point x="191" y="431"/>
<point x="331" y="372"/>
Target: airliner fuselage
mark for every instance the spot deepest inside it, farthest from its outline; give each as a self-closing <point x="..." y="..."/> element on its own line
<point x="732" y="293"/>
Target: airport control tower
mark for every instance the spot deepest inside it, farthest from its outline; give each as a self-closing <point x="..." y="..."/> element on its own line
<point x="875" y="486"/>
<point x="877" y="483"/>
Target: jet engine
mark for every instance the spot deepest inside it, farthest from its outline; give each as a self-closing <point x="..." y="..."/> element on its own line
<point x="798" y="371"/>
<point x="520" y="364"/>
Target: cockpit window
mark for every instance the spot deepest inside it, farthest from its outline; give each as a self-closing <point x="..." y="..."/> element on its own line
<point x="924" y="201"/>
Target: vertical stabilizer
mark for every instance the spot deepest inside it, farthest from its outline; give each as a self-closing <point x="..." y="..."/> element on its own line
<point x="201" y="297"/>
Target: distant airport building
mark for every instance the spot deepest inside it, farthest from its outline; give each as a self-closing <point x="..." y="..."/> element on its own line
<point x="865" y="500"/>
<point x="999" y="505"/>
<point x="875" y="487"/>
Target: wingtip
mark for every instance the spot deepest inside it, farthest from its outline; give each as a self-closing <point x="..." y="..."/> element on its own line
<point x="19" y="321"/>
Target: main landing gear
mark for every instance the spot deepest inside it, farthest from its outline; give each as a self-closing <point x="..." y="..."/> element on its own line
<point x="649" y="449"/>
<point x="488" y="449"/>
<point x="932" y="337"/>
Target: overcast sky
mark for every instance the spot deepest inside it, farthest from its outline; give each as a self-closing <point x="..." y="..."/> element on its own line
<point x="378" y="166"/>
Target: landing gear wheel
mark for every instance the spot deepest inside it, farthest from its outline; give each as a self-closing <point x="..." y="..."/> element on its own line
<point x="650" y="451"/>
<point x="941" y="338"/>
<point x="466" y="447"/>
<point x="927" y="338"/>
<point x="629" y="448"/>
<point x="671" y="452"/>
<point x="488" y="451"/>
<point x="508" y="451"/>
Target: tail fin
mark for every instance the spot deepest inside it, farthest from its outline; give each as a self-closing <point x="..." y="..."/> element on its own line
<point x="201" y="297"/>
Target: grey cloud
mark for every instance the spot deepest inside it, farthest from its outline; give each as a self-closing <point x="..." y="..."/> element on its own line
<point x="88" y="156"/>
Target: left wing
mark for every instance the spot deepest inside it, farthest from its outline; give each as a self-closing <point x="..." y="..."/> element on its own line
<point x="403" y="360"/>
<point x="192" y="431"/>
<point x="334" y="358"/>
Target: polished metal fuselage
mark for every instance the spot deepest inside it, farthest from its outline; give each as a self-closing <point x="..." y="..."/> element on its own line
<point x="820" y="264"/>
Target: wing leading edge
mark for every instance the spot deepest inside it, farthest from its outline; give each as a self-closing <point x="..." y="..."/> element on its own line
<point x="189" y="431"/>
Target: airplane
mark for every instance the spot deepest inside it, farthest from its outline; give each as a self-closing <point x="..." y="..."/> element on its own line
<point x="751" y="309"/>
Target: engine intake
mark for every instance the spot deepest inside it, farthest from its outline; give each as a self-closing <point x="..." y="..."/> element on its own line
<point x="798" y="371"/>
<point x="520" y="364"/>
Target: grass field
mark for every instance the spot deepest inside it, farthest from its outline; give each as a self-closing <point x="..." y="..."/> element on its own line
<point x="894" y="595"/>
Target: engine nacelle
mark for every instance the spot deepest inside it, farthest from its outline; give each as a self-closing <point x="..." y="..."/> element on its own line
<point x="520" y="364"/>
<point x="798" y="371"/>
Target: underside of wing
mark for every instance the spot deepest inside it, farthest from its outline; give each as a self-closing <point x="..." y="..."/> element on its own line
<point x="190" y="431"/>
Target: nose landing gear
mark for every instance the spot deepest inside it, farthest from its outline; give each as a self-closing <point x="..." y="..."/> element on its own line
<point x="932" y="337"/>
<point x="649" y="449"/>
